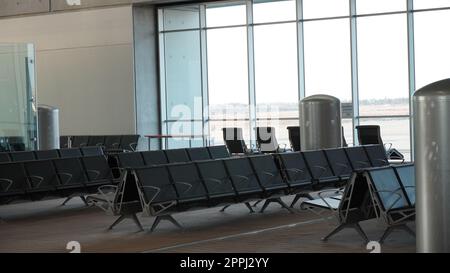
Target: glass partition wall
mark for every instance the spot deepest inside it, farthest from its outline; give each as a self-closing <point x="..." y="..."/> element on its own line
<point x="247" y="63"/>
<point x="18" y="125"/>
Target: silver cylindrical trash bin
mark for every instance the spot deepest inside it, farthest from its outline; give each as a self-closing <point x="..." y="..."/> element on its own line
<point x="48" y="127"/>
<point x="432" y="166"/>
<point x="320" y="122"/>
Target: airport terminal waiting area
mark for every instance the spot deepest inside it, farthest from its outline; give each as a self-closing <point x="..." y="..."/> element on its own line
<point x="206" y="199"/>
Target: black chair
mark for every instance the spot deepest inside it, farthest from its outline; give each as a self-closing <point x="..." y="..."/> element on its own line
<point x="159" y="195"/>
<point x="42" y="176"/>
<point x="294" y="137"/>
<point x="339" y="163"/>
<point x="13" y="181"/>
<point x="406" y="175"/>
<point x="70" y="153"/>
<point x="218" y="152"/>
<point x="4" y="147"/>
<point x="234" y="140"/>
<point x="371" y="134"/>
<point x="320" y="169"/>
<point x="79" y="141"/>
<point x="130" y="160"/>
<point x="157" y="157"/>
<point x="96" y="141"/>
<point x="47" y="154"/>
<point x="91" y="150"/>
<point x="129" y="142"/>
<point x="267" y="141"/>
<point x="4" y="158"/>
<point x="72" y="177"/>
<point x="112" y="142"/>
<point x="199" y="153"/>
<point x="64" y="142"/>
<point x="344" y="141"/>
<point x="390" y="200"/>
<point x="376" y="155"/>
<point x="16" y="143"/>
<point x="271" y="180"/>
<point x="217" y="182"/>
<point x="177" y="155"/>
<point x="22" y="156"/>
<point x="358" y="158"/>
<point x="297" y="174"/>
<point x="98" y="171"/>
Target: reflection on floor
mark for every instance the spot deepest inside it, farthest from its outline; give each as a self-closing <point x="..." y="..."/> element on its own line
<point x="47" y="227"/>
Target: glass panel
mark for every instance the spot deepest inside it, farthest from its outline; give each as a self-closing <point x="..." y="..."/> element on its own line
<point x="325" y="8"/>
<point x="18" y="129"/>
<point x="281" y="132"/>
<point x="180" y="128"/>
<point x="181" y="18"/>
<point x="327" y="58"/>
<point x="227" y="80"/>
<point x="226" y="15"/>
<point x="216" y="135"/>
<point x="348" y="130"/>
<point x="428" y="4"/>
<point x="378" y="6"/>
<point x="394" y="131"/>
<point x="383" y="65"/>
<point x="183" y="76"/>
<point x="431" y="47"/>
<point x="273" y="11"/>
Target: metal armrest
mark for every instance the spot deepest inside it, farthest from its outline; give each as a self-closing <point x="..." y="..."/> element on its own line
<point x="184" y="183"/>
<point x="158" y="190"/>
<point x="344" y="167"/>
<point x="97" y="173"/>
<point x="69" y="175"/>
<point x="133" y="146"/>
<point x="40" y="179"/>
<point x="296" y="171"/>
<point x="214" y="180"/>
<point x="10" y="182"/>
<point x="322" y="168"/>
<point x="320" y="194"/>
<point x="364" y="163"/>
<point x="242" y="178"/>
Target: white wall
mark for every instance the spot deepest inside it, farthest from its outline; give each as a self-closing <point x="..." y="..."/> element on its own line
<point x="84" y="62"/>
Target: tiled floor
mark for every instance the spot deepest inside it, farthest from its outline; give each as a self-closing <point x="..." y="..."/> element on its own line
<point x="47" y="227"/>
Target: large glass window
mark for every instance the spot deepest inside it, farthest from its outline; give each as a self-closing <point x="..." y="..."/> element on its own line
<point x="225" y="15"/>
<point x="379" y="6"/>
<point x="428" y="4"/>
<point x="181" y="18"/>
<point x="325" y="8"/>
<point x="383" y="65"/>
<point x="273" y="11"/>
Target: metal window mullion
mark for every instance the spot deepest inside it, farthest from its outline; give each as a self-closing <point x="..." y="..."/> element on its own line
<point x="251" y="71"/>
<point x="204" y="75"/>
<point x="300" y="51"/>
<point x="354" y="67"/>
<point x="162" y="77"/>
<point x="411" y="71"/>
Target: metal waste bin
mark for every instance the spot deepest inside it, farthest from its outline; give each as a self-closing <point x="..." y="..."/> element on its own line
<point x="320" y="122"/>
<point x="432" y="166"/>
<point x="48" y="127"/>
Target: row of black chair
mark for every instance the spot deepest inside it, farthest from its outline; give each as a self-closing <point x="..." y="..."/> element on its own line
<point x="34" y="180"/>
<point x="109" y="142"/>
<point x="168" y="188"/>
<point x="50" y="154"/>
<point x="383" y="192"/>
<point x="12" y="143"/>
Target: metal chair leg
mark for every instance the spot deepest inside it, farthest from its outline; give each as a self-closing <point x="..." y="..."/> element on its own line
<point x="264" y="206"/>
<point x="84" y="200"/>
<point x="297" y="197"/>
<point x="361" y="232"/>
<point x="118" y="220"/>
<point x="256" y="203"/>
<point x="249" y="207"/>
<point x="333" y="232"/>
<point x="224" y="208"/>
<point x="137" y="222"/>
<point x="167" y="218"/>
<point x="67" y="200"/>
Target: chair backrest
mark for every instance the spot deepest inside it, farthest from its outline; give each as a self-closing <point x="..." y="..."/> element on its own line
<point x="376" y="155"/>
<point x="198" y="153"/>
<point x="369" y="134"/>
<point x="130" y="160"/>
<point x="96" y="141"/>
<point x="4" y="157"/>
<point x="47" y="154"/>
<point x="339" y="162"/>
<point x="294" y="167"/>
<point x="294" y="137"/>
<point x="64" y="141"/>
<point x="187" y="181"/>
<point x="70" y="153"/>
<point x="91" y="150"/>
<point x="79" y="141"/>
<point x="156" y="184"/>
<point x="407" y="178"/>
<point x="267" y="171"/>
<point x="344" y="141"/>
<point x="112" y="142"/>
<point x="70" y="171"/>
<point x="234" y="140"/>
<point x="42" y="174"/>
<point x="22" y="156"/>
<point x="318" y="164"/>
<point x="157" y="157"/>
<point x="357" y="157"/>
<point x="242" y="174"/>
<point x="266" y="139"/>
<point x="177" y="155"/>
<point x="97" y="168"/>
<point x="218" y="152"/>
<point x="215" y="177"/>
<point x="387" y="188"/>
<point x="13" y="178"/>
<point x="129" y="142"/>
